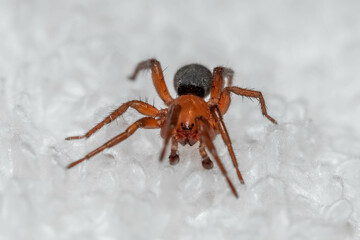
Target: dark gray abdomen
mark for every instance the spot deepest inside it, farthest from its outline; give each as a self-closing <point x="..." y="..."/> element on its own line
<point x="193" y="79"/>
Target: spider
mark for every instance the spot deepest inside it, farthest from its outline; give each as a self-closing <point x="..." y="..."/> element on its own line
<point x="188" y="119"/>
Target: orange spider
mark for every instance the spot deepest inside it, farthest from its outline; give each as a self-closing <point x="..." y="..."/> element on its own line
<point x="188" y="118"/>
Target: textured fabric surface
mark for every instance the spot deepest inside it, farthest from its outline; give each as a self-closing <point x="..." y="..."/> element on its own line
<point x="64" y="67"/>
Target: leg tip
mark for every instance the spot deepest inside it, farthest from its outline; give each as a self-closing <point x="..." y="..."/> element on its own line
<point x="272" y="120"/>
<point x="239" y="176"/>
<point x="75" y="137"/>
<point x="232" y="187"/>
<point x="70" y="166"/>
<point x="75" y="163"/>
<point x="131" y="78"/>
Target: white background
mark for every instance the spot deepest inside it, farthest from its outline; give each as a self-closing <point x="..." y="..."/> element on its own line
<point x="64" y="67"/>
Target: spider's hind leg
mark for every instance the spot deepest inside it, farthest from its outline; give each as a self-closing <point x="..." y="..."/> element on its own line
<point x="225" y="99"/>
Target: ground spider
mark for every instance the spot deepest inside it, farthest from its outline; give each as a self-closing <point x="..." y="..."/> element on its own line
<point x="187" y="118"/>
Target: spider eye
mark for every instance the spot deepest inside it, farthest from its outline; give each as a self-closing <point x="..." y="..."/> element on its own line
<point x="192" y="125"/>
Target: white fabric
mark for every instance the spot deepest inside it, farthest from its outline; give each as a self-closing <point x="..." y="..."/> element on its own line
<point x="64" y="67"/>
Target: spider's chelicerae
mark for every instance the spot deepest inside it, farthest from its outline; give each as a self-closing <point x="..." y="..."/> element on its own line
<point x="187" y="118"/>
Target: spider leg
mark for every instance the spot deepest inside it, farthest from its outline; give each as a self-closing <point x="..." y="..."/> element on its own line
<point x="174" y="155"/>
<point x="141" y="107"/>
<point x="157" y="76"/>
<point x="225" y="99"/>
<point x="203" y="127"/>
<point x="229" y="74"/>
<point x="146" y="122"/>
<point x="224" y="102"/>
<point x="170" y="126"/>
<point x="219" y="74"/>
<point x="215" y="112"/>
<point x="206" y="162"/>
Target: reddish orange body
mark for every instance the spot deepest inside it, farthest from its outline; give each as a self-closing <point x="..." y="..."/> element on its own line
<point x="188" y="118"/>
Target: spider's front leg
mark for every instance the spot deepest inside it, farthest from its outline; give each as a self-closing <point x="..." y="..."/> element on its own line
<point x="216" y="114"/>
<point x="157" y="76"/>
<point x="146" y="122"/>
<point x="203" y="127"/>
<point x="142" y="107"/>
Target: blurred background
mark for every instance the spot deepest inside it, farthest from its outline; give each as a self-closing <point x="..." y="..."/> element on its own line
<point x="64" y="67"/>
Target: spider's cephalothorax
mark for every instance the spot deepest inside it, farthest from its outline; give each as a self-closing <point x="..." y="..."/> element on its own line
<point x="192" y="107"/>
<point x="187" y="118"/>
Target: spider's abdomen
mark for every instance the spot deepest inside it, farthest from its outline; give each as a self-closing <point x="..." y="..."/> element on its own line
<point x="194" y="79"/>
